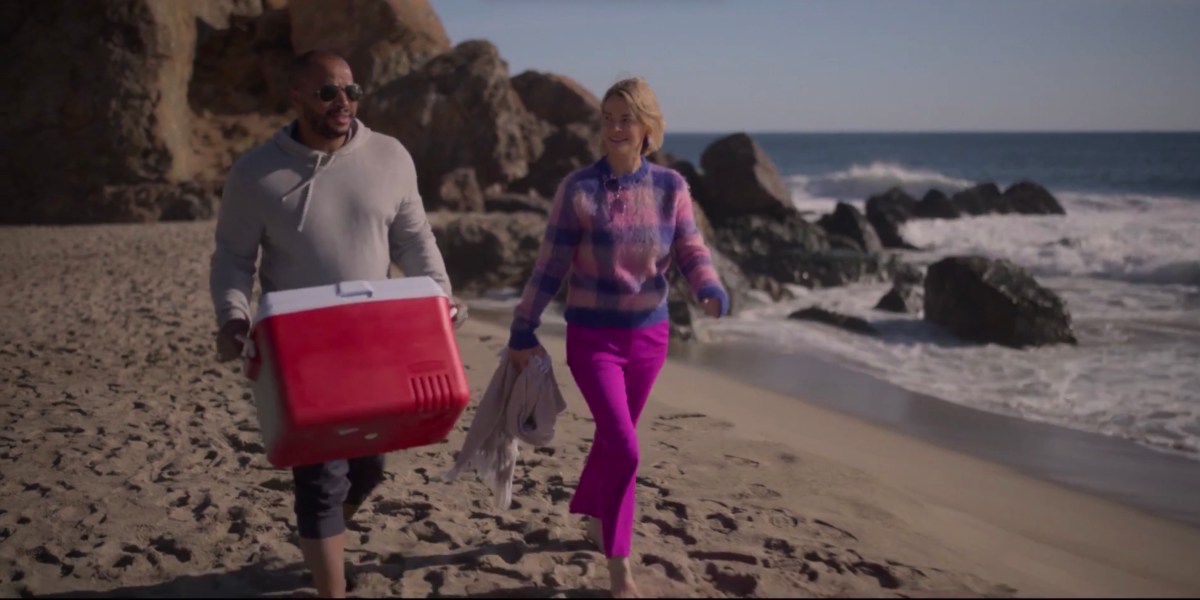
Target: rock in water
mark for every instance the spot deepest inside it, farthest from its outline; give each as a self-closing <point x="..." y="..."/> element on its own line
<point x="821" y="315"/>
<point x="1029" y="198"/>
<point x="887" y="212"/>
<point x="982" y="199"/>
<point x="994" y="301"/>
<point x="903" y="298"/>
<point x="845" y="220"/>
<point x="936" y="205"/>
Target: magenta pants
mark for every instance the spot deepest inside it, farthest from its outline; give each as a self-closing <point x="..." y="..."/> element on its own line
<point x="615" y="370"/>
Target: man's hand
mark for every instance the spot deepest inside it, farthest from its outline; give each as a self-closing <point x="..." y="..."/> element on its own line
<point x="712" y="307"/>
<point x="231" y="339"/>
<point x="458" y="313"/>
<point x="520" y="358"/>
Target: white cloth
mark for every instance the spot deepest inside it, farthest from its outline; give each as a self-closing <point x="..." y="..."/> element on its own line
<point x="516" y="407"/>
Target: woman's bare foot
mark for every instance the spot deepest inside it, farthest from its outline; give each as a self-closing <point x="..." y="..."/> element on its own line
<point x="595" y="534"/>
<point x="620" y="578"/>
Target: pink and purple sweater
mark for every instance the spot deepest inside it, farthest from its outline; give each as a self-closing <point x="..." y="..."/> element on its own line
<point x="617" y="236"/>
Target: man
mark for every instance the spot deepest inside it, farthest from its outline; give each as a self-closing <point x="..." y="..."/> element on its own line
<point x="326" y="200"/>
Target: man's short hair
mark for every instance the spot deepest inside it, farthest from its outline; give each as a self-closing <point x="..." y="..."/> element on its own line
<point x="302" y="63"/>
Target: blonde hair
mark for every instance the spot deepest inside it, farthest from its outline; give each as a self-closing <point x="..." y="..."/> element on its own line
<point x="644" y="104"/>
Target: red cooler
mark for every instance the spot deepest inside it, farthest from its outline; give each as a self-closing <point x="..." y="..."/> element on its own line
<point x="357" y="368"/>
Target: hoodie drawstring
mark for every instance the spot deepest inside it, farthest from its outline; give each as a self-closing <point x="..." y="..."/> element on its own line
<point x="306" y="187"/>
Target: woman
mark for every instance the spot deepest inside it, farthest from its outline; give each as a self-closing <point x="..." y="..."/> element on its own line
<point x="617" y="225"/>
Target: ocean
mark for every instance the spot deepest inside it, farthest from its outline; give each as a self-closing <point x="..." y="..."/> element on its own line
<point x="1125" y="258"/>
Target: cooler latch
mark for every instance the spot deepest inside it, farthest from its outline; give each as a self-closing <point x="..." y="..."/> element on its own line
<point x="347" y="289"/>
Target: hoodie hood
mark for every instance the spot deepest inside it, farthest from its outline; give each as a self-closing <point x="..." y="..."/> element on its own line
<point x="315" y="160"/>
<point x="285" y="140"/>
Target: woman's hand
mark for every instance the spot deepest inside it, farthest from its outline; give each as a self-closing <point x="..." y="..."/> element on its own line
<point x="520" y="358"/>
<point x="712" y="307"/>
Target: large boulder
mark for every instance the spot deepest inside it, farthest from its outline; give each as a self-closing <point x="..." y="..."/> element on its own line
<point x="382" y="40"/>
<point x="936" y="205"/>
<point x="847" y="221"/>
<point x="516" y="203"/>
<point x="458" y="191"/>
<point x="822" y="315"/>
<point x="572" y="114"/>
<point x="148" y="106"/>
<point x="994" y="301"/>
<point x="685" y="311"/>
<point x="459" y="110"/>
<point x="751" y="238"/>
<point x="981" y="199"/>
<point x="239" y="86"/>
<point x="566" y="149"/>
<point x="903" y="298"/>
<point x="101" y="101"/>
<point x="1029" y="198"/>
<point x="663" y="158"/>
<point x="831" y="268"/>
<point x="742" y="180"/>
<point x="486" y="251"/>
<point x="887" y="212"/>
<point x="557" y="99"/>
<point x="241" y="62"/>
<point x="696" y="185"/>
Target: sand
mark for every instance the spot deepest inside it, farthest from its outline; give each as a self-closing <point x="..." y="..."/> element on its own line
<point x="131" y="464"/>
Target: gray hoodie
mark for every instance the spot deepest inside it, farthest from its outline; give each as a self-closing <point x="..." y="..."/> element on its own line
<point x="319" y="219"/>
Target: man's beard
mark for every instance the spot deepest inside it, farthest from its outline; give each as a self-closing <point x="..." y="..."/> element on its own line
<point x="319" y="121"/>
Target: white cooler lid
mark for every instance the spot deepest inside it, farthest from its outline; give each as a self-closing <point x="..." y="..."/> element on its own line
<point x="347" y="292"/>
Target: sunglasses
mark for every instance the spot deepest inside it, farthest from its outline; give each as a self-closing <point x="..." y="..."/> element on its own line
<point x="329" y="92"/>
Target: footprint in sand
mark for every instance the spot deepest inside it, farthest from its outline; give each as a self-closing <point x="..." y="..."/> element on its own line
<point x="436" y="579"/>
<point x="666" y="528"/>
<point x="722" y="523"/>
<point x="168" y="545"/>
<point x="758" y="491"/>
<point x="432" y="533"/>
<point x="678" y="416"/>
<point x="731" y="582"/>
<point x="277" y="484"/>
<point x="781" y="519"/>
<point x="885" y="575"/>
<point x="655" y="484"/>
<point x="780" y="546"/>
<point x="670" y="568"/>
<point x="838" y="530"/>
<point x="413" y="511"/>
<point x="743" y="462"/>
<point x="677" y="508"/>
<point x="726" y="556"/>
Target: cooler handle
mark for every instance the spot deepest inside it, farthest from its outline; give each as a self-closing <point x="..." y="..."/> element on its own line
<point x="347" y="289"/>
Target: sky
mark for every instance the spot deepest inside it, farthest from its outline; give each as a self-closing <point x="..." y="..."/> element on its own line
<point x="866" y="65"/>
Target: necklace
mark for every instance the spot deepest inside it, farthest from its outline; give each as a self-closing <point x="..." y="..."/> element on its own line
<point x="613" y="184"/>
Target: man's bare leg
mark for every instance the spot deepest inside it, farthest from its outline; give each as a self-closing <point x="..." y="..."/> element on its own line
<point x="325" y="559"/>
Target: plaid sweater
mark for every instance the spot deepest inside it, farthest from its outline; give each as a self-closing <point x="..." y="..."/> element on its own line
<point x="617" y="236"/>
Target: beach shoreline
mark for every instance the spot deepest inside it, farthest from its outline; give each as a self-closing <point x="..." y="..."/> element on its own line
<point x="1154" y="481"/>
<point x="133" y="465"/>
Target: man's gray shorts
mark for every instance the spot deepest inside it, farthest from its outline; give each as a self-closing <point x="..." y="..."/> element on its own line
<point x="322" y="489"/>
